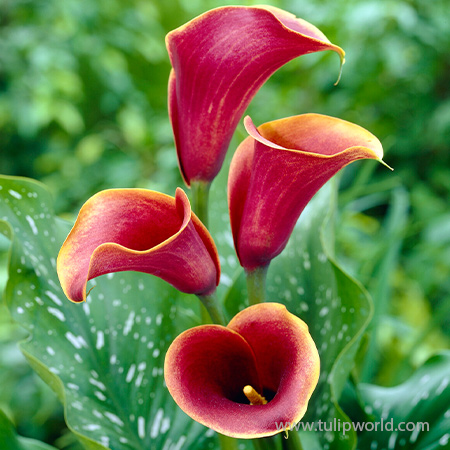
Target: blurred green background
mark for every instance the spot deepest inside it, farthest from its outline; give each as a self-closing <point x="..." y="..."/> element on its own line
<point x="83" y="108"/>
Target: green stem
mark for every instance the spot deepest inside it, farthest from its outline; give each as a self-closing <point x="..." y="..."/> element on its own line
<point x="227" y="443"/>
<point x="200" y="196"/>
<point x="212" y="306"/>
<point x="292" y="442"/>
<point x="256" y="285"/>
<point x="205" y="315"/>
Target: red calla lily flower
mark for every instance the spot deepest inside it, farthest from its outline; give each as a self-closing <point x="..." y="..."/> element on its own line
<point x="220" y="60"/>
<point x="140" y="230"/>
<point x="265" y="350"/>
<point x="276" y="171"/>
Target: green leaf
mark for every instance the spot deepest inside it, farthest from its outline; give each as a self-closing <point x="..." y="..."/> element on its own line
<point x="103" y="358"/>
<point x="11" y="441"/>
<point x="388" y="251"/>
<point x="423" y="400"/>
<point x="336" y="308"/>
<point x="304" y="277"/>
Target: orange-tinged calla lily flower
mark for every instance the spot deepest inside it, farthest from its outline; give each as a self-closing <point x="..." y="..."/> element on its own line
<point x="265" y="350"/>
<point x="220" y="60"/>
<point x="140" y="230"/>
<point x="276" y="171"/>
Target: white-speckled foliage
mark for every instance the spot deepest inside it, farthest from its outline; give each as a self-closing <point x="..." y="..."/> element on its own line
<point x="104" y="358"/>
<point x="424" y="398"/>
<point x="335" y="307"/>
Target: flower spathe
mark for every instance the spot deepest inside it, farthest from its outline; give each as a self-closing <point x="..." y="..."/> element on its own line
<point x="277" y="170"/>
<point x="264" y="346"/>
<point x="140" y="230"/>
<point x="220" y="60"/>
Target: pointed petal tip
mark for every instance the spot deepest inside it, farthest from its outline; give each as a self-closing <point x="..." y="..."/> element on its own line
<point x="385" y="164"/>
<point x="202" y="141"/>
<point x="342" y="56"/>
<point x="86" y="294"/>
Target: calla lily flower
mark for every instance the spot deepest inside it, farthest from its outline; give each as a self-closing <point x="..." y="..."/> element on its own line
<point x="140" y="230"/>
<point x="276" y="171"/>
<point x="243" y="379"/>
<point x="220" y="60"/>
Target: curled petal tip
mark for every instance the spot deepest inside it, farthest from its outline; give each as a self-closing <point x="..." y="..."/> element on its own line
<point x="138" y="230"/>
<point x="256" y="135"/>
<point x="276" y="171"/>
<point x="248" y="123"/>
<point x="180" y="193"/>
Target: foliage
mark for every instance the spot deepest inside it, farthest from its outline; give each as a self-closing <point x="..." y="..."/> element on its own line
<point x="421" y="405"/>
<point x="82" y="108"/>
<point x="103" y="359"/>
<point x="11" y="441"/>
<point x="82" y="87"/>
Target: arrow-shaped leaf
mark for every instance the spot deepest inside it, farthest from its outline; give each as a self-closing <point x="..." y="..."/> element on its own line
<point x="103" y="358"/>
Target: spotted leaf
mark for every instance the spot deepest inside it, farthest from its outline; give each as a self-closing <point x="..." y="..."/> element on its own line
<point x="104" y="358"/>
<point x="416" y="413"/>
<point x="335" y="307"/>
